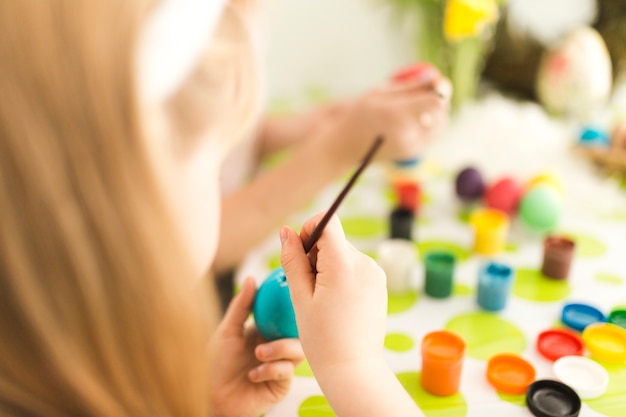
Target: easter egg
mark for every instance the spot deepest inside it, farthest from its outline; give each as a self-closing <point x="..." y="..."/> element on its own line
<point x="469" y="184"/>
<point x="575" y="77"/>
<point x="594" y="136"/>
<point x="549" y="179"/>
<point x="540" y="209"/>
<point x="273" y="310"/>
<point x="504" y="195"/>
<point x="420" y="70"/>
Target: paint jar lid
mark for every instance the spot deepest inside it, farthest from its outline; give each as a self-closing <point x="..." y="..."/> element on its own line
<point x="548" y="398"/>
<point x="510" y="374"/>
<point x="618" y="317"/>
<point x="606" y="342"/>
<point x="407" y="163"/>
<point x="578" y="316"/>
<point x="585" y="376"/>
<point x="556" y="343"/>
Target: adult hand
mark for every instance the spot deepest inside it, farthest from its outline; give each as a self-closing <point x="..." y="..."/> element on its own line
<point x="411" y="115"/>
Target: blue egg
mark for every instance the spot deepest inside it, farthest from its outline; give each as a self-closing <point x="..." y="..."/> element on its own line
<point x="273" y="310"/>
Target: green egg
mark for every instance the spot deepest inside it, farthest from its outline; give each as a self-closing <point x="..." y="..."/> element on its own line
<point x="540" y="209"/>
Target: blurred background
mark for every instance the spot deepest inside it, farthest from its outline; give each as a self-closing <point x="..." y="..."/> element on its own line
<point x="538" y="83"/>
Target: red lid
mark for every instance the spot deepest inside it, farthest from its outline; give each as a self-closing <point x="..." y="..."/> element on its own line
<point x="510" y="374"/>
<point x="556" y="343"/>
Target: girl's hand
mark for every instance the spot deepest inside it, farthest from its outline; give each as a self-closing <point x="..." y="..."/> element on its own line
<point x="339" y="297"/>
<point x="249" y="374"/>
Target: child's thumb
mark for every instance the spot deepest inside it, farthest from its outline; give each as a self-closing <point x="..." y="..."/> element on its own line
<point x="239" y="309"/>
<point x="295" y="262"/>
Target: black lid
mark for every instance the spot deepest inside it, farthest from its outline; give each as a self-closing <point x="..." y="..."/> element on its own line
<point x="548" y="398"/>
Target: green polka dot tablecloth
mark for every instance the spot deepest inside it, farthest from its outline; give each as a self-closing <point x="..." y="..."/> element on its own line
<point x="597" y="277"/>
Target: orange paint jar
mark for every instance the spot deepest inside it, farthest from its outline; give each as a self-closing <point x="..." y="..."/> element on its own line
<point x="442" y="361"/>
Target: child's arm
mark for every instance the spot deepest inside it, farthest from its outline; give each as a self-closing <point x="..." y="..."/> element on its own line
<point x="341" y="307"/>
<point x="250" y="213"/>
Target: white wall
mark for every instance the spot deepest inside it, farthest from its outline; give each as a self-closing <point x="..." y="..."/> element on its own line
<point x="329" y="48"/>
<point x="320" y="49"/>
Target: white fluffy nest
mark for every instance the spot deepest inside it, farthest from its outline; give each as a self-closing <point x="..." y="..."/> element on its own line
<point x="500" y="136"/>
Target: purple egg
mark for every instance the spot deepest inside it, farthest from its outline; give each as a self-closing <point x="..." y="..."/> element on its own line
<point x="470" y="184"/>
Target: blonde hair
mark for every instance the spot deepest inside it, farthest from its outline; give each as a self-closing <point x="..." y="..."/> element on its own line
<point x="98" y="314"/>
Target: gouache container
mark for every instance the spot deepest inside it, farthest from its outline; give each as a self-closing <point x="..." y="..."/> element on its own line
<point x="494" y="286"/>
<point x="442" y="362"/>
<point x="490" y="231"/>
<point x="398" y="258"/>
<point x="439" y="274"/>
<point x="401" y="224"/>
<point x="578" y="316"/>
<point x="408" y="195"/>
<point x="557" y="343"/>
<point x="587" y="377"/>
<point x="510" y="374"/>
<point x="469" y="185"/>
<point x="618" y="317"/>
<point x="548" y="398"/>
<point x="558" y="253"/>
<point x="606" y="342"/>
<point x="272" y="310"/>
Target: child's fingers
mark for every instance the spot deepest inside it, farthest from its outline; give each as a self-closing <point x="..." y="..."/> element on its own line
<point x="295" y="262"/>
<point x="332" y="236"/>
<point x="239" y="310"/>
<point x="289" y="349"/>
<point x="272" y="371"/>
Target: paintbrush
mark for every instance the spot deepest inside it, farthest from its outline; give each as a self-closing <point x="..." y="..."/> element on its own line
<point x="317" y="232"/>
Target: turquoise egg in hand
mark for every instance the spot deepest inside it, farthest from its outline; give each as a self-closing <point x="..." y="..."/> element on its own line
<point x="273" y="310"/>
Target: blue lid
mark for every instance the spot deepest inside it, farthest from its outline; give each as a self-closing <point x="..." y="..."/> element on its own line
<point x="578" y="316"/>
<point x="407" y="163"/>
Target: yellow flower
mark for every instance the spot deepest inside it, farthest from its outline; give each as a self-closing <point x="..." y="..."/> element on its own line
<point x="467" y="18"/>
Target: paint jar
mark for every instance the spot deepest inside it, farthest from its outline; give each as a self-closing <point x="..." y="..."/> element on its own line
<point x="558" y="253"/>
<point x="398" y="258"/>
<point x="442" y="362"/>
<point x="494" y="286"/>
<point x="439" y="274"/>
<point x="490" y="231"/>
<point x="401" y="224"/>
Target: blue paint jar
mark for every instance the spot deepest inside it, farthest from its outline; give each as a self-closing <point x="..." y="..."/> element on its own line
<point x="494" y="286"/>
